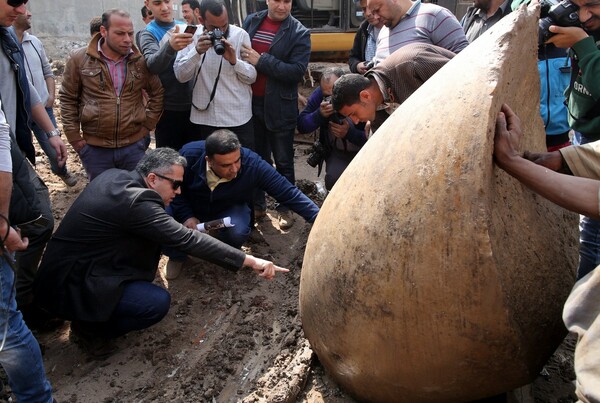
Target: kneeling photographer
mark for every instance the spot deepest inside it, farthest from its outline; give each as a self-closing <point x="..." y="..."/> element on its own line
<point x="339" y="138"/>
<point x="222" y="94"/>
<point x="583" y="94"/>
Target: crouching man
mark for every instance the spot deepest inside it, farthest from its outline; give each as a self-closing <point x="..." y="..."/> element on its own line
<point x="98" y="268"/>
<point x="220" y="180"/>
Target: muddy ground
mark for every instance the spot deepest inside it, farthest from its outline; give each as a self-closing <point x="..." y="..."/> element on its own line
<point x="228" y="337"/>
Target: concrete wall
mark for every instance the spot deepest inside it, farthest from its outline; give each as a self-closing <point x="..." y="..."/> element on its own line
<point x="64" y="24"/>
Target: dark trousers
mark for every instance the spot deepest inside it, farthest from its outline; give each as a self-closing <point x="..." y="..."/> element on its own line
<point x="241" y="218"/>
<point x="38" y="233"/>
<point x="245" y="133"/>
<point x="279" y="144"/>
<point x="142" y="305"/>
<point x="174" y="130"/>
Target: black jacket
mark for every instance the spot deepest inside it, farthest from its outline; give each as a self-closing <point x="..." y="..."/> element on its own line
<point x="357" y="53"/>
<point x="112" y="234"/>
<point x="284" y="65"/>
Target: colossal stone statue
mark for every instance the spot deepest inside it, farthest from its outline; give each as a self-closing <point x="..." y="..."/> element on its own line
<point x="430" y="275"/>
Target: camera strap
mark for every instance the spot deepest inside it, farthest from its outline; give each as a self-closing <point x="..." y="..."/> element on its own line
<point x="214" y="90"/>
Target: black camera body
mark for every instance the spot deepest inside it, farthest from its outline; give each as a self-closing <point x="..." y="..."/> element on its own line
<point x="317" y="154"/>
<point x="563" y="14"/>
<point x="337" y="118"/>
<point x="216" y="37"/>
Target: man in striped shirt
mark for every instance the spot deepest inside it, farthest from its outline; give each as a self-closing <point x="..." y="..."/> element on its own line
<point x="408" y="22"/>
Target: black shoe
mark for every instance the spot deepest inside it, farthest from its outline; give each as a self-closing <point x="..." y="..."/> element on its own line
<point x="38" y="319"/>
<point x="97" y="347"/>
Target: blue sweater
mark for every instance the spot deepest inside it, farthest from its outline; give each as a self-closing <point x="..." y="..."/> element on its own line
<point x="197" y="200"/>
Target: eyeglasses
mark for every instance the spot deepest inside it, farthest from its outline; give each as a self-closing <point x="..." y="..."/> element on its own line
<point x="175" y="184"/>
<point x="16" y="3"/>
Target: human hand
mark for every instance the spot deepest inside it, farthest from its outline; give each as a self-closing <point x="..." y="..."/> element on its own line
<point x="13" y="241"/>
<point x="263" y="268"/>
<point x="326" y="109"/>
<point x="180" y="40"/>
<point x="60" y="148"/>
<point x="566" y="37"/>
<point x="191" y="223"/>
<point x="508" y="136"/>
<point x="229" y="54"/>
<point x="250" y="55"/>
<point x="204" y="43"/>
<point x="50" y="102"/>
<point x="78" y="145"/>
<point x="361" y="68"/>
<point x="339" y="130"/>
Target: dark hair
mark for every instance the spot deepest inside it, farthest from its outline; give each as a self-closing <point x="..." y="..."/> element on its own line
<point x="160" y="160"/>
<point x="221" y="142"/>
<point x="109" y="13"/>
<point x="95" y="24"/>
<point x="194" y="4"/>
<point x="216" y="7"/>
<point x="146" y="12"/>
<point x="346" y="90"/>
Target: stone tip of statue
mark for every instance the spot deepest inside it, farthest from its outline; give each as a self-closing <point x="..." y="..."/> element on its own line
<point x="427" y="287"/>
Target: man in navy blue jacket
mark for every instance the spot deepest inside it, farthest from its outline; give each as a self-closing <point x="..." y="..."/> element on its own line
<point x="219" y="181"/>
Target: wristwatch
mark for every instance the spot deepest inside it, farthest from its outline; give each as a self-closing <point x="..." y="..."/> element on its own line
<point x="53" y="133"/>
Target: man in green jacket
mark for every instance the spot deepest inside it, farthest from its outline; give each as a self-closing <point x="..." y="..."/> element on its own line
<point x="584" y="105"/>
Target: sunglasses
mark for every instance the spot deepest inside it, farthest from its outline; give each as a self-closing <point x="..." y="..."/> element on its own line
<point x="175" y="184"/>
<point x="16" y="3"/>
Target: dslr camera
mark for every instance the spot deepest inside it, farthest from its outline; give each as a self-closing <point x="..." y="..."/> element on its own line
<point x="216" y="37"/>
<point x="317" y="155"/>
<point x="563" y="14"/>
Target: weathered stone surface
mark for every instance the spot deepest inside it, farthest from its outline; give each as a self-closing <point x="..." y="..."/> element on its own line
<point x="430" y="274"/>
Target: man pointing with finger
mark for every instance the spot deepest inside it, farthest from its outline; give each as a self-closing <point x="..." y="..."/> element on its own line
<point x="584" y="105"/>
<point x="106" y="290"/>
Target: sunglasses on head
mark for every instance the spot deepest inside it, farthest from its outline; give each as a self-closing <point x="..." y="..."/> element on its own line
<point x="175" y="184"/>
<point x="16" y="3"/>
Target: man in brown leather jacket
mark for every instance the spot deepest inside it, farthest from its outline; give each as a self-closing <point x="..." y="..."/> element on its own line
<point x="103" y="114"/>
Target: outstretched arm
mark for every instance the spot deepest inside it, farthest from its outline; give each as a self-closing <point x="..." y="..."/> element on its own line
<point x="576" y="194"/>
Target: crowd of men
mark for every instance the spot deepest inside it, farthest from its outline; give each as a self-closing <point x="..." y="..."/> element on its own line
<point x="222" y="103"/>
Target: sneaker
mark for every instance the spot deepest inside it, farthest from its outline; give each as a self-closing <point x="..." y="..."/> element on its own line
<point x="286" y="219"/>
<point x="173" y="269"/>
<point x="97" y="347"/>
<point x="69" y="179"/>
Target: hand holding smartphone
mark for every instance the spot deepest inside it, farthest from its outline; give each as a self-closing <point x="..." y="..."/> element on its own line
<point x="190" y="29"/>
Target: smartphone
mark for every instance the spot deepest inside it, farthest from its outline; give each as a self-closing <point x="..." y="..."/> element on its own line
<point x="190" y="29"/>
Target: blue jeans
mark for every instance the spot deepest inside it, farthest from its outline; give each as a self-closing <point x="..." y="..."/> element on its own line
<point x="589" y="239"/>
<point x="142" y="305"/>
<point x="278" y="143"/>
<point x="96" y="160"/>
<point x="241" y="217"/>
<point x="42" y="140"/>
<point x="21" y="357"/>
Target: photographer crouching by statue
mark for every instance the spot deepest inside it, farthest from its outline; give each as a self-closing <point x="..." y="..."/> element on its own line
<point x="583" y="95"/>
<point x="339" y="139"/>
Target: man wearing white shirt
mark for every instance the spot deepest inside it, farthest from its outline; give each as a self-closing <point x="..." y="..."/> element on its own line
<point x="222" y="94"/>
